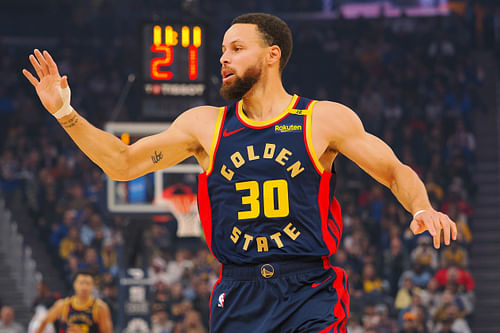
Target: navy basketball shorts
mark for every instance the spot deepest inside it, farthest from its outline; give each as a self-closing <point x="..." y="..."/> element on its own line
<point x="280" y="297"/>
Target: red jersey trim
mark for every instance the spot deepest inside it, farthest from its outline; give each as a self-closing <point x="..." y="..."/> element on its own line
<point x="324" y="205"/>
<point x="337" y="218"/>
<point x="341" y="308"/>
<point x="205" y="209"/>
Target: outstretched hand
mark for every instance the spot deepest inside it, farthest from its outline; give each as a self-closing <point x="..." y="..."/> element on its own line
<point x="49" y="85"/>
<point x="434" y="222"/>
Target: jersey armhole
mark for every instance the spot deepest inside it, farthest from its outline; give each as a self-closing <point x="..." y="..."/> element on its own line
<point x="308" y="140"/>
<point x="95" y="310"/>
<point x="65" y="309"/>
<point x="216" y="139"/>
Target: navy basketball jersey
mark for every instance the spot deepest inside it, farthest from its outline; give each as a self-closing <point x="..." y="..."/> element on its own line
<point x="83" y="316"/>
<point x="265" y="196"/>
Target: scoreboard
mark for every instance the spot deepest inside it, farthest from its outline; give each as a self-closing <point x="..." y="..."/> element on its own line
<point x="173" y="68"/>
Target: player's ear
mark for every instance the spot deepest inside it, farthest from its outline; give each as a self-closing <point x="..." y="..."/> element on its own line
<point x="274" y="55"/>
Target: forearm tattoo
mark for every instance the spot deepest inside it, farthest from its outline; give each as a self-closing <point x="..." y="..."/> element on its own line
<point x="157" y="157"/>
<point x="70" y="122"/>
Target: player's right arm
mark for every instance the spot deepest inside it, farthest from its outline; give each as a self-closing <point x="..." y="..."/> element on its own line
<point x="54" y="312"/>
<point x="118" y="160"/>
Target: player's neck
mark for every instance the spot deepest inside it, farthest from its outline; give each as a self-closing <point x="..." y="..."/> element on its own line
<point x="266" y="100"/>
<point x="81" y="300"/>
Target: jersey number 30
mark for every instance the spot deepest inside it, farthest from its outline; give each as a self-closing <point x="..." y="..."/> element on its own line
<point x="274" y="198"/>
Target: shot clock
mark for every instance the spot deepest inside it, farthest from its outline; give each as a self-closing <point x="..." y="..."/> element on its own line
<point x="173" y="67"/>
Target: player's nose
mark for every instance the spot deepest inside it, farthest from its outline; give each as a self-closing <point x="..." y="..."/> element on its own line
<point x="224" y="58"/>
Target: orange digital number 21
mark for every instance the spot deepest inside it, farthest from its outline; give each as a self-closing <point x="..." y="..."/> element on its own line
<point x="167" y="60"/>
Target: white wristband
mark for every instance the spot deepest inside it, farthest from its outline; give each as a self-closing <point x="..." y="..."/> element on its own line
<point x="66" y="107"/>
<point x="420" y="211"/>
<point x="63" y="111"/>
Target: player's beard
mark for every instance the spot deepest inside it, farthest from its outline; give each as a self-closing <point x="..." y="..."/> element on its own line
<point x="241" y="85"/>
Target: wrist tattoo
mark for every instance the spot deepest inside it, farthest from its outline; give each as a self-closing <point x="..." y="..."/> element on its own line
<point x="157" y="157"/>
<point x="70" y="122"/>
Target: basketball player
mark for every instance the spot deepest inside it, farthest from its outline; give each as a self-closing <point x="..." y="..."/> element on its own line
<point x="81" y="313"/>
<point x="266" y="197"/>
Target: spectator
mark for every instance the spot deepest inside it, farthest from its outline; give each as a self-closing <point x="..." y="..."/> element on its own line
<point x="77" y="200"/>
<point x="385" y="324"/>
<point x="60" y="231"/>
<point x="161" y="299"/>
<point x="192" y="323"/>
<point x="201" y="303"/>
<point x="92" y="262"/>
<point x="456" y="274"/>
<point x="157" y="272"/>
<point x="175" y="269"/>
<point x="161" y="322"/>
<point x="95" y="228"/>
<point x="462" y="140"/>
<point x="423" y="322"/>
<point x="419" y="276"/>
<point x="354" y="324"/>
<point x="372" y="284"/>
<point x="176" y="303"/>
<point x="409" y="323"/>
<point x="464" y="236"/>
<point x="44" y="296"/>
<point x="396" y="261"/>
<point x="424" y="254"/>
<point x="452" y="322"/>
<point x="414" y="308"/>
<point x="431" y="297"/>
<point x="7" y="322"/>
<point x="405" y="294"/>
<point x="454" y="255"/>
<point x="110" y="296"/>
<point x="40" y="312"/>
<point x="68" y="244"/>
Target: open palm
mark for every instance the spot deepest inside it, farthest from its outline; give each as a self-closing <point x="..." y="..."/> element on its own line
<point x="50" y="86"/>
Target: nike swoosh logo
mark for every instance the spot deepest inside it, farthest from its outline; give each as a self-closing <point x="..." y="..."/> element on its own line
<point x="226" y="133"/>
<point x="314" y="285"/>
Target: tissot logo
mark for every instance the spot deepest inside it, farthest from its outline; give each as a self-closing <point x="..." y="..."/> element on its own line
<point x="287" y="128"/>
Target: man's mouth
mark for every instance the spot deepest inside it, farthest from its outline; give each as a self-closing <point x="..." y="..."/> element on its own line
<point x="226" y="75"/>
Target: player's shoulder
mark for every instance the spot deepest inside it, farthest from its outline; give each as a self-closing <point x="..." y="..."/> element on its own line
<point x="59" y="305"/>
<point x="198" y="114"/>
<point x="60" y="302"/>
<point x="331" y="107"/>
<point x="100" y="304"/>
<point x="328" y="112"/>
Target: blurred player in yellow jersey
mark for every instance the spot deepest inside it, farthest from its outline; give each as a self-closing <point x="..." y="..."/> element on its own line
<point x="81" y="313"/>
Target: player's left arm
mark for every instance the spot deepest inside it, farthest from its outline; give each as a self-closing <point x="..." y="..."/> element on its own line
<point x="345" y="134"/>
<point x="103" y="318"/>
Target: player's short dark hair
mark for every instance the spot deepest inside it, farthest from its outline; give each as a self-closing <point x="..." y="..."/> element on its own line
<point x="85" y="272"/>
<point x="274" y="32"/>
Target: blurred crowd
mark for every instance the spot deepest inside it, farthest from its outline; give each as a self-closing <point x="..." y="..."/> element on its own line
<point x="415" y="82"/>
